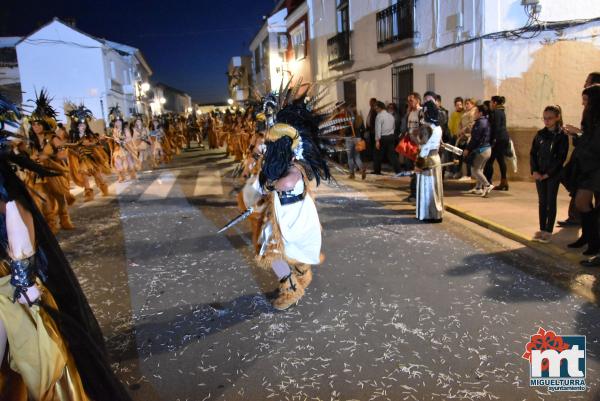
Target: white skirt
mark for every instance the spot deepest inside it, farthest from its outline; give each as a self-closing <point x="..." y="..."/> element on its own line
<point x="300" y="230"/>
<point x="430" y="193"/>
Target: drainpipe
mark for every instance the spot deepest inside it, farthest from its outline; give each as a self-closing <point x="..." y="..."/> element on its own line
<point x="436" y="20"/>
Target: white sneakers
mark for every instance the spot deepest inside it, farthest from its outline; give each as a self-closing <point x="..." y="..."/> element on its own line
<point x="542" y="237"/>
<point x="481" y="192"/>
<point x="487" y="190"/>
<point x="475" y="191"/>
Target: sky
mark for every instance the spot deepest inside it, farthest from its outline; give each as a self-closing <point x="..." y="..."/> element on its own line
<point x="188" y="43"/>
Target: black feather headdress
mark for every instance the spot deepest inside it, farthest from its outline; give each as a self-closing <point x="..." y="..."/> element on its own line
<point x="81" y="114"/>
<point x="10" y="114"/>
<point x="114" y="114"/>
<point x="294" y="137"/>
<point x="43" y="113"/>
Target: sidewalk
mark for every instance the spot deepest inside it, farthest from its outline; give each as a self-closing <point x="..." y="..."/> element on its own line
<point x="513" y="213"/>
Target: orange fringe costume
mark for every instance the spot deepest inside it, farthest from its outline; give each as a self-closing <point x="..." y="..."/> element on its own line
<point x="54" y="191"/>
<point x="52" y="194"/>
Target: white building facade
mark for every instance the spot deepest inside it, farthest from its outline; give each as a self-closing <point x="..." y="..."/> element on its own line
<point x="10" y="83"/>
<point x="166" y="99"/>
<point x="78" y="68"/>
<point x="470" y="48"/>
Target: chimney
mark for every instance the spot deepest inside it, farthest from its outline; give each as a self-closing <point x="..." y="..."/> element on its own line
<point x="71" y="21"/>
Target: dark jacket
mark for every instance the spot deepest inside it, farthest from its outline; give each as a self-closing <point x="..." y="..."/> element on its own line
<point x="443" y="123"/>
<point x="371" y="121"/>
<point x="548" y="152"/>
<point x="498" y="125"/>
<point x="480" y="135"/>
<point x="588" y="149"/>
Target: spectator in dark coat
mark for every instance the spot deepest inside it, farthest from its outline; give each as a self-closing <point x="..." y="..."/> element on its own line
<point x="548" y="154"/>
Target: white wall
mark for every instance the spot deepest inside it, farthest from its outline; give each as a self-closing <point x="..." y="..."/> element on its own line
<point x="71" y="67"/>
<point x="532" y="74"/>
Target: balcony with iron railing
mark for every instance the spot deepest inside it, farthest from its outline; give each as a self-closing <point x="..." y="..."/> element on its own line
<point x="395" y="26"/>
<point x="339" y="51"/>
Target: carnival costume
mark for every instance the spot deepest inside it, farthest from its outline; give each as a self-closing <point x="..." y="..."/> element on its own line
<point x="156" y="136"/>
<point x="291" y="234"/>
<point x="124" y="152"/>
<point x="87" y="157"/>
<point x="141" y="140"/>
<point x="430" y="190"/>
<point x="55" y="349"/>
<point x="52" y="194"/>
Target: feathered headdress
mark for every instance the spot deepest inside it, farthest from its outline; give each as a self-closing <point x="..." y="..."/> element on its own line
<point x="43" y="113"/>
<point x="10" y="115"/>
<point x="81" y="114"/>
<point x="294" y="136"/>
<point x="114" y="114"/>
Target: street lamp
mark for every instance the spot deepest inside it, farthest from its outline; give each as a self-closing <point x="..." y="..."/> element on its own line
<point x="145" y="87"/>
<point x="163" y="100"/>
<point x="230" y="102"/>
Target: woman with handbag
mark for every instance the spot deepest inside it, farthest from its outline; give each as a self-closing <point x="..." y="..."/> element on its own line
<point x="355" y="143"/>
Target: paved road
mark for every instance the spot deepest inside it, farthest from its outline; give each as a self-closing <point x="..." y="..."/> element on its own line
<point x="398" y="311"/>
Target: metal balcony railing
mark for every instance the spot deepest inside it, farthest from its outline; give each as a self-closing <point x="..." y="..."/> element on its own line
<point x="395" y="23"/>
<point x="338" y="48"/>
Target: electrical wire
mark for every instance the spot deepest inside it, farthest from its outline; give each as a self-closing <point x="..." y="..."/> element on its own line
<point x="534" y="29"/>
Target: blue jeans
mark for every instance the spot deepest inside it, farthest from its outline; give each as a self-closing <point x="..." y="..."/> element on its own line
<point x="354" y="160"/>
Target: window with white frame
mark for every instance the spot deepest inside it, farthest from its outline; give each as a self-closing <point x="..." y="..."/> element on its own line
<point x="298" y="36"/>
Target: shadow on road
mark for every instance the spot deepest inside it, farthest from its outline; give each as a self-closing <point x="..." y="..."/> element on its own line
<point x="507" y="287"/>
<point x="174" y="329"/>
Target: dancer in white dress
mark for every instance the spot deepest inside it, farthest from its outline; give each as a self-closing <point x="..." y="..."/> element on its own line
<point x="291" y="234"/>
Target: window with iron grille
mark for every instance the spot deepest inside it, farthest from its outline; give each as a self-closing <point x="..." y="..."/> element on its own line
<point x="402" y="85"/>
<point x="396" y="23"/>
<point x="299" y="41"/>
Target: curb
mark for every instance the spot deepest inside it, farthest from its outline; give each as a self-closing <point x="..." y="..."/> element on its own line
<point x="578" y="281"/>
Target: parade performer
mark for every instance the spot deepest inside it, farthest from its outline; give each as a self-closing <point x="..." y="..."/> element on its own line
<point x="430" y="191"/>
<point x="141" y="140"/>
<point x="124" y="152"/>
<point x="249" y="196"/>
<point x="48" y="149"/>
<point x="156" y="136"/>
<point x="87" y="158"/>
<point x="213" y="135"/>
<point x="51" y="347"/>
<point x="291" y="235"/>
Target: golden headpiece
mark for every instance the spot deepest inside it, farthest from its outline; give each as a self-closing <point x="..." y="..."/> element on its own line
<point x="280" y="130"/>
